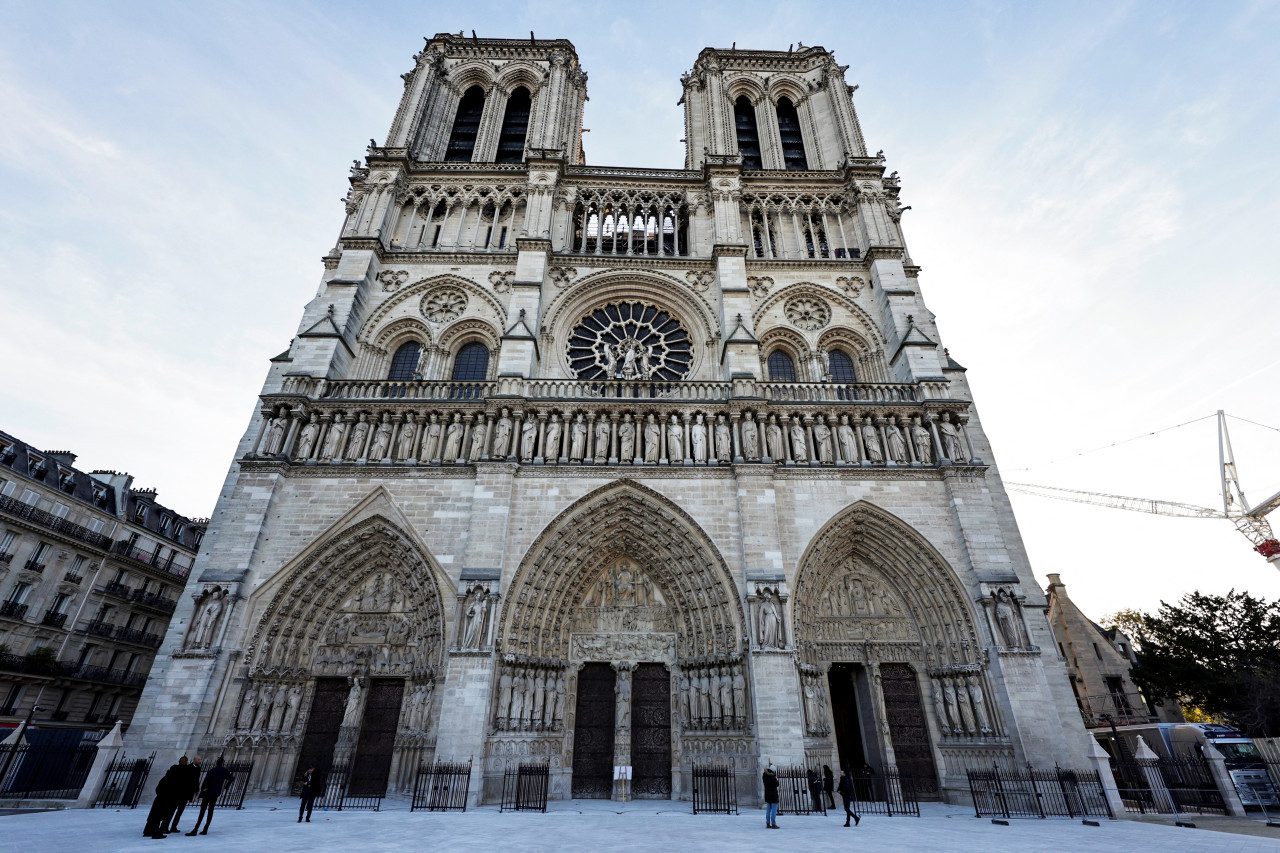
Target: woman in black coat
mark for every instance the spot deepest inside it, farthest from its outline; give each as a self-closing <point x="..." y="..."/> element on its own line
<point x="770" y="780"/>
<point x="828" y="785"/>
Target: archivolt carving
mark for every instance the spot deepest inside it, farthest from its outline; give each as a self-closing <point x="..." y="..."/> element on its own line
<point x="407" y="297"/>
<point x="814" y="291"/>
<point x="562" y="567"/>
<point x="869" y="578"/>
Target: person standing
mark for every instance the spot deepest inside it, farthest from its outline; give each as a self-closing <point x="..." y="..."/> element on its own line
<point x="815" y="790"/>
<point x="189" y="788"/>
<point x="312" y="787"/>
<point x="846" y="795"/>
<point x="167" y="793"/>
<point x="214" y="781"/>
<point x="828" y="785"/>
<point x="770" y="779"/>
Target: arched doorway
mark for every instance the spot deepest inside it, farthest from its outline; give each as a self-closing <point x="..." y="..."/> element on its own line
<point x="888" y="641"/>
<point x="626" y="607"/>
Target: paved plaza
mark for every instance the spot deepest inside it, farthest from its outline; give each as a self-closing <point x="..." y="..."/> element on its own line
<point x="270" y="825"/>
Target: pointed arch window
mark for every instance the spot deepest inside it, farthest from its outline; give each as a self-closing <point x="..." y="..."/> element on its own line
<point x="515" y="126"/>
<point x="466" y="126"/>
<point x="841" y="367"/>
<point x="789" y="132"/>
<point x="744" y="119"/>
<point x="781" y="367"/>
<point x="404" y="364"/>
<point x="471" y="364"/>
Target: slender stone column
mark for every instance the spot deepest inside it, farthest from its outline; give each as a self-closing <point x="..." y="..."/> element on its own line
<point x="622" y="727"/>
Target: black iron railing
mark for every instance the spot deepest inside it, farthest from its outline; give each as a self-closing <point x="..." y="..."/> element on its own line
<point x="525" y="786"/>
<point x="800" y="791"/>
<point x="232" y="796"/>
<point x="337" y="797"/>
<point x="44" y="772"/>
<point x="153" y="600"/>
<point x="53" y="619"/>
<point x="888" y="793"/>
<point x="124" y="783"/>
<point x="117" y="589"/>
<point x="715" y="787"/>
<point x="1038" y="793"/>
<point x="442" y="787"/>
<point x="33" y="566"/>
<point x="52" y="522"/>
<point x="13" y="610"/>
<point x="1167" y="785"/>
<point x="150" y="559"/>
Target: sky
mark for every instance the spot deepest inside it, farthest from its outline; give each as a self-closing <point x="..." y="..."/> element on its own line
<point x="1094" y="192"/>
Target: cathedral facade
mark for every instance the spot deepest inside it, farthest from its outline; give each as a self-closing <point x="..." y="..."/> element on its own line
<point x="615" y="467"/>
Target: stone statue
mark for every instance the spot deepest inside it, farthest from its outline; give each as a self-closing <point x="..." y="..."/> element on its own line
<point x="848" y="442"/>
<point x="602" y="440"/>
<point x="504" y="699"/>
<point x="408" y="432"/>
<point x="685" y="699"/>
<point x="553" y="439"/>
<point x="478" y="433"/>
<point x="291" y="715"/>
<point x="726" y="698"/>
<point x="278" y="709"/>
<point x="247" y="707"/>
<point x="627" y="439"/>
<point x="382" y="439"/>
<point x="264" y="709"/>
<point x="476" y="608"/>
<point x="539" y="699"/>
<point x="652" y="436"/>
<point x="307" y="440"/>
<point x="333" y="441"/>
<point x="799" y="448"/>
<point x="951" y="445"/>
<point x="557" y="709"/>
<point x="675" y="441"/>
<point x="979" y="705"/>
<point x="750" y="438"/>
<point x="502" y="436"/>
<point x="920" y="438"/>
<point x="359" y="434"/>
<point x="206" y="623"/>
<point x="871" y="441"/>
<point x="739" y="696"/>
<point x="769" y="623"/>
<point x="724" y="440"/>
<point x="431" y="444"/>
<point x="940" y="707"/>
<point x="453" y="440"/>
<point x="953" y="713"/>
<point x="698" y="439"/>
<point x="896" y="447"/>
<point x="517" y="700"/>
<point x="1007" y="621"/>
<point x="528" y="438"/>
<point x="355" y="704"/>
<point x="578" y="439"/>
<point x="822" y="440"/>
<point x="713" y="696"/>
<point x="773" y="440"/>
<point x="275" y="436"/>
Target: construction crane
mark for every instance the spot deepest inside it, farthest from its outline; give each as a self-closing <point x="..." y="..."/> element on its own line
<point x="1249" y="520"/>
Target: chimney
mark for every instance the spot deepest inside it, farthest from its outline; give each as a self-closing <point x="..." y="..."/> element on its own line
<point x="66" y="457"/>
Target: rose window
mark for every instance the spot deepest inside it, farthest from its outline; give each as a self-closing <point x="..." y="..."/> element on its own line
<point x="808" y="313"/>
<point x="629" y="340"/>
<point x="444" y="304"/>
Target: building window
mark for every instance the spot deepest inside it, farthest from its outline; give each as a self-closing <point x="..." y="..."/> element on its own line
<point x="744" y="119"/>
<point x="96" y="525"/>
<point x="1097" y="651"/>
<point x="792" y="141"/>
<point x="30" y="498"/>
<point x="91" y="715"/>
<point x="466" y="126"/>
<point x="781" y="367"/>
<point x="60" y="603"/>
<point x="19" y="593"/>
<point x="61" y="510"/>
<point x="515" y="125"/>
<point x="841" y="367"/>
<point x="471" y="363"/>
<point x="11" y="700"/>
<point x="404" y="364"/>
<point x="6" y="542"/>
<point x="140" y="513"/>
<point x="86" y="654"/>
<point x="166" y="524"/>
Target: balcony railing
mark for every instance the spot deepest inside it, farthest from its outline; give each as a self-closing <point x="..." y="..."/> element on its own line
<point x="13" y="610"/>
<point x="99" y="628"/>
<point x="151" y="599"/>
<point x="1120" y="709"/>
<point x="53" y="619"/>
<point x="118" y="590"/>
<point x="33" y="566"/>
<point x="120" y="632"/>
<point x="75" y="579"/>
<point x="60" y="525"/>
<point x="149" y="559"/>
<point x="103" y="674"/>
<point x="6" y="558"/>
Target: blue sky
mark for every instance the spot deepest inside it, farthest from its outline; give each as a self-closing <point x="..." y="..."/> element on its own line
<point x="1095" y="191"/>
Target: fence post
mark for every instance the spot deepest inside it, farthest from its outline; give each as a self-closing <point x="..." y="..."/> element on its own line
<point x="1148" y="764"/>
<point x="1222" y="778"/>
<point x="108" y="747"/>
<point x="1102" y="763"/>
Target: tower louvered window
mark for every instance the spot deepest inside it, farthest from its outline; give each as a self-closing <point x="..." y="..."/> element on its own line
<point x="789" y="132"/>
<point x="466" y="126"/>
<point x="744" y="117"/>
<point x="515" y="126"/>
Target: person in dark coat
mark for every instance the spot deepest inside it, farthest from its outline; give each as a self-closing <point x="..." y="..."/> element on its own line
<point x="770" y="779"/>
<point x="828" y="785"/>
<point x="214" y="781"/>
<point x="167" y="793"/>
<point x="846" y="794"/>
<point x="190" y="786"/>
<point x="815" y="790"/>
<point x="312" y="787"/>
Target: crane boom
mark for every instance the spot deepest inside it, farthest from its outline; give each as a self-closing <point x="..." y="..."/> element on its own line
<point x="1147" y="505"/>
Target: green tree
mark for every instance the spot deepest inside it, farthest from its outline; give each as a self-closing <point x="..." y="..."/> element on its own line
<point x="1220" y="654"/>
<point x="1129" y="621"/>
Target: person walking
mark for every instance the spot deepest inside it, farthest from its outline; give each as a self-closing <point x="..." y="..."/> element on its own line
<point x="770" y="779"/>
<point x="846" y="795"/>
<point x="828" y="785"/>
<point x="214" y="781"/>
<point x="167" y="794"/>
<point x="312" y="787"/>
<point x="189" y="788"/>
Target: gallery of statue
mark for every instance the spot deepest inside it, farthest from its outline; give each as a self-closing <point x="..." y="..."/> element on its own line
<point x="614" y="467"/>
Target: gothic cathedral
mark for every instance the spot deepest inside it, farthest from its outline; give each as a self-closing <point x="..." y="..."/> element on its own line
<point x="614" y="468"/>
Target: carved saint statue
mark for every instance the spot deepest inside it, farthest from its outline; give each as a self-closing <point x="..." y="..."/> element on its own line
<point x="453" y="440"/>
<point x="478" y="433"/>
<point x="923" y="444"/>
<point x="431" y="444"/>
<point x="626" y="439"/>
<point x="502" y="436"/>
<point x="871" y="441"/>
<point x="624" y="701"/>
<point x="848" y="442"/>
<point x="940" y="707"/>
<point x="307" y="440"/>
<point x="675" y="440"/>
<point x="799" y="449"/>
<point x="979" y="706"/>
<point x="359" y="435"/>
<point x="247" y="707"/>
<point x="770" y="624"/>
<point x="953" y="713"/>
<point x="477" y="606"/>
<point x="724" y="440"/>
<point x="698" y="439"/>
<point x="382" y="439"/>
<point x="739" y="696"/>
<point x="291" y="715"/>
<point x="528" y="438"/>
<point x="750" y="438"/>
<point x="553" y="439"/>
<point x="894" y="444"/>
<point x="504" y="699"/>
<point x="333" y="441"/>
<point x="773" y="440"/>
<point x="602" y="440"/>
<point x="822" y="440"/>
<point x="951" y="444"/>
<point x="355" y="702"/>
<point x="1011" y="631"/>
<point x="264" y="709"/>
<point x="205" y="624"/>
<point x="652" y="434"/>
<point x="278" y="709"/>
<point x="578" y="439"/>
<point x="275" y="436"/>
<point x="408" y="432"/>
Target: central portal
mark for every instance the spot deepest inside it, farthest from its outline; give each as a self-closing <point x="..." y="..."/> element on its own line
<point x="651" y="732"/>
<point x="593" y="732"/>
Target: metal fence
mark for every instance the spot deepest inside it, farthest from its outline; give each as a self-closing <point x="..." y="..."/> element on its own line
<point x="800" y="791"/>
<point x="1038" y="793"/>
<point x="45" y="772"/>
<point x="715" y="788"/>
<point x="1167" y="786"/>
<point x="232" y="796"/>
<point x="888" y="793"/>
<point x="124" y="782"/>
<point x="336" y="798"/>
<point x="442" y="787"/>
<point x="1259" y="786"/>
<point x="524" y="788"/>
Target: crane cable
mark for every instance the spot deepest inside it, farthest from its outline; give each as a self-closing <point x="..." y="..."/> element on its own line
<point x="1124" y="441"/>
